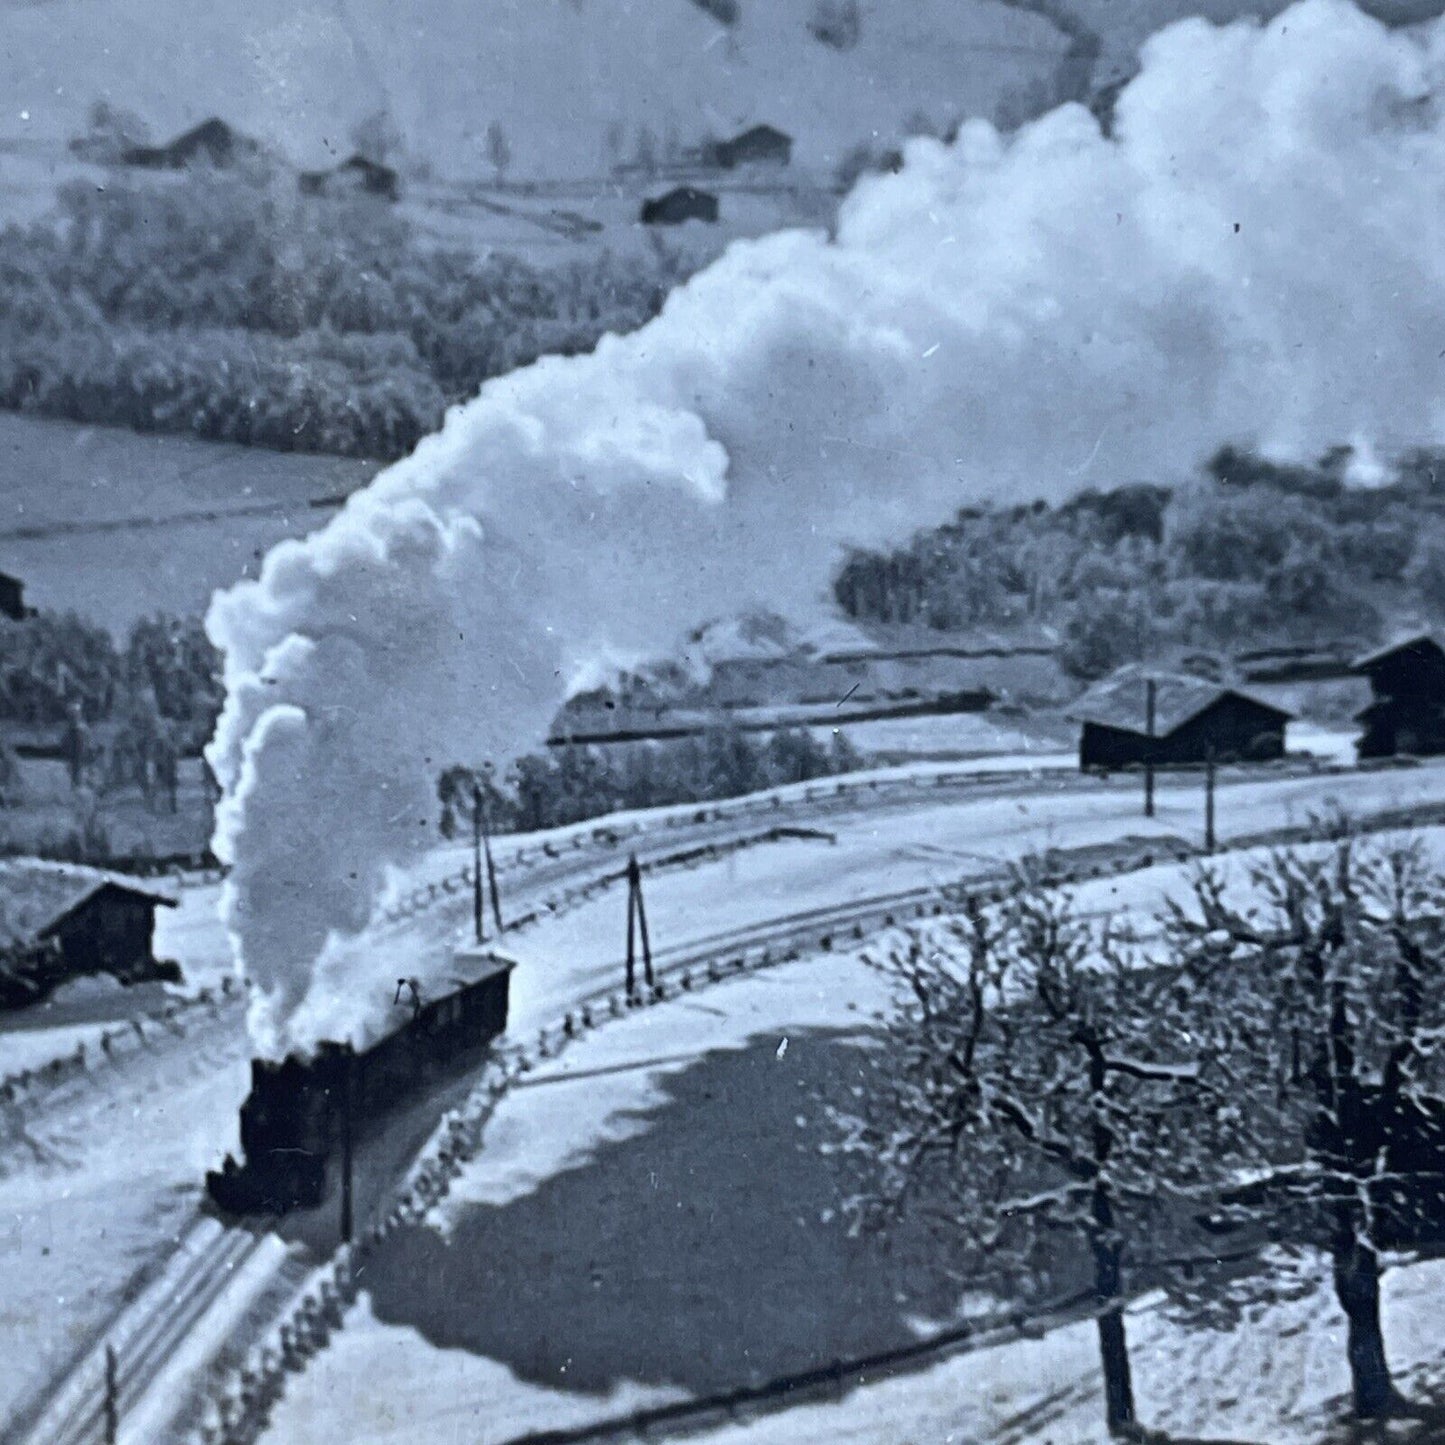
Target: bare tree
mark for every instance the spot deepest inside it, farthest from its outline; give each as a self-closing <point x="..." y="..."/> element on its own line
<point x="499" y="151"/>
<point x="1041" y="1077"/>
<point x="1338" y="955"/>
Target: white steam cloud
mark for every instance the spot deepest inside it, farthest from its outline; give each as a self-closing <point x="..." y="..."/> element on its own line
<point x="1256" y="257"/>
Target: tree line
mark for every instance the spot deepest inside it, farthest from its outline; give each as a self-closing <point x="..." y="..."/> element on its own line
<point x="1252" y="553"/>
<point x="223" y="307"/>
<point x="573" y="783"/>
<point x="1203" y="1114"/>
<point x="121" y="716"/>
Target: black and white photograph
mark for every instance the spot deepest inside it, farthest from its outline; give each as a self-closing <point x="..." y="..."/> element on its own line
<point x="722" y="721"/>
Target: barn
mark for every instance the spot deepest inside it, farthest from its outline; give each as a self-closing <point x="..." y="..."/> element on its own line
<point x="1193" y="719"/>
<point x="212" y="142"/>
<point x="357" y="174"/>
<point x="683" y="203"/>
<point x="12" y="598"/>
<point x="59" y="922"/>
<point x="760" y="145"/>
<point x="1406" y="711"/>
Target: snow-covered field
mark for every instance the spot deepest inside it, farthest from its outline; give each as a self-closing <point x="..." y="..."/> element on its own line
<point x="616" y="1107"/>
<point x="92" y="1188"/>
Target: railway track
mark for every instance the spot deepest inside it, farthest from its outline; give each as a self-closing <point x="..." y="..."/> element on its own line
<point x="143" y="1339"/>
<point x="148" y="1332"/>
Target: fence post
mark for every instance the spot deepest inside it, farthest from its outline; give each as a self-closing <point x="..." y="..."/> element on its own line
<point x="1209" y="801"/>
<point x="112" y="1398"/>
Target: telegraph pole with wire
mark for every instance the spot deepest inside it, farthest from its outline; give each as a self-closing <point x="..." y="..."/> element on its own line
<point x="637" y="923"/>
<point x="1150" y="701"/>
<point x="1209" y="801"/>
<point x="478" y="923"/>
<point x="348" y="1168"/>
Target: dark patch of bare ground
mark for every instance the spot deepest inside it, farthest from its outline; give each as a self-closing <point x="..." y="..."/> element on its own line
<point x="699" y="1254"/>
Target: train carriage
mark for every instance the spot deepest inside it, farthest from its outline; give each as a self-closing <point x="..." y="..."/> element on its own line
<point x="292" y="1120"/>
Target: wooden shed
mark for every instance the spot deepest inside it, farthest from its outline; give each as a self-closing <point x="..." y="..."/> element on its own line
<point x="1406" y="711"/>
<point x="683" y="203"/>
<point x="12" y="598"/>
<point x="1193" y="719"/>
<point x="357" y="175"/>
<point x="211" y="143"/>
<point x="59" y="922"/>
<point x="759" y="145"/>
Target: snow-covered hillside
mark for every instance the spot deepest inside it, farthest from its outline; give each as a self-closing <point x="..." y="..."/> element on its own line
<point x="570" y="81"/>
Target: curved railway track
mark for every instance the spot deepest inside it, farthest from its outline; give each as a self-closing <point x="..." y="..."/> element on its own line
<point x="146" y="1334"/>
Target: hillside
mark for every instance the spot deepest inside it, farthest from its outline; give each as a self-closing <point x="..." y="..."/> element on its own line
<point x="571" y="81"/>
<point x="574" y="83"/>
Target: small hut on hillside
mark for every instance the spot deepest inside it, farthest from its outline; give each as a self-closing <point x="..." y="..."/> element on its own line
<point x="12" y="598"/>
<point x="212" y="143"/>
<point x="758" y="145"/>
<point x="357" y="175"/>
<point x="683" y="203"/>
<point x="1172" y="719"/>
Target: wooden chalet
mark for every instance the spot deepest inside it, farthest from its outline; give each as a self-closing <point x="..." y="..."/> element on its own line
<point x="1406" y="711"/>
<point x="211" y="143"/>
<point x="759" y="145"/>
<point x="58" y="922"/>
<point x="357" y="175"/>
<point x="1193" y="720"/>
<point x="683" y="203"/>
<point x="12" y="598"/>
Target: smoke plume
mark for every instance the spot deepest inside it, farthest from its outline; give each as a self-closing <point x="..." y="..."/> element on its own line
<point x="1254" y="257"/>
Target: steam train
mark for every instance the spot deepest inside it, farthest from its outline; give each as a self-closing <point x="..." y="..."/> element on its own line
<point x="295" y="1118"/>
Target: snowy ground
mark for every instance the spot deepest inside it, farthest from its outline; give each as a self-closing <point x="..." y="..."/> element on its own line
<point x="92" y="1187"/>
<point x="95" y="1183"/>
<point x="644" y="1225"/>
<point x="897" y="842"/>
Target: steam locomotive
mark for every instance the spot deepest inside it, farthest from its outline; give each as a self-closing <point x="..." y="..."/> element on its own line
<point x="294" y="1119"/>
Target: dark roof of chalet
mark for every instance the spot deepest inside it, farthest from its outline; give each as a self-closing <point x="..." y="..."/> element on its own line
<point x="35" y="896"/>
<point x="1415" y="641"/>
<point x="1121" y="701"/>
<point x="760" y="132"/>
<point x="683" y="193"/>
<point x="212" y="137"/>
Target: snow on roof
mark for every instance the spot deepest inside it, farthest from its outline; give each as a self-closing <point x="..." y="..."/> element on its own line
<point x="1121" y="701"/>
<point x="35" y="895"/>
<point x="1400" y="644"/>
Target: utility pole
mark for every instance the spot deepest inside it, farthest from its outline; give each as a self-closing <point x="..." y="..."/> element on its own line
<point x="112" y="1398"/>
<point x="1150" y="699"/>
<point x="491" y="866"/>
<point x="347" y="1160"/>
<point x="1209" y="801"/>
<point x="477" y="921"/>
<point x="637" y="923"/>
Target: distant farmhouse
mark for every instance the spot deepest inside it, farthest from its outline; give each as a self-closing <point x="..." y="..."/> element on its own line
<point x="59" y="922"/>
<point x="357" y="175"/>
<point x="1193" y="719"/>
<point x="212" y="143"/>
<point x="12" y="598"/>
<point x="683" y="203"/>
<point x="1406" y="713"/>
<point x="763" y="145"/>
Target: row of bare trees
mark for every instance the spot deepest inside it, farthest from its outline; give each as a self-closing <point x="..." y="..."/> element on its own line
<point x="1257" y="1082"/>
